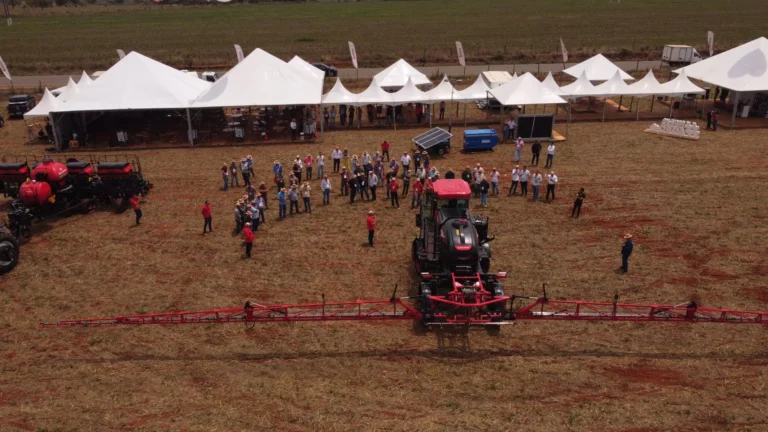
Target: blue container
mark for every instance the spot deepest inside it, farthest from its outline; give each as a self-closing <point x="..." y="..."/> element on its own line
<point x="480" y="139"/>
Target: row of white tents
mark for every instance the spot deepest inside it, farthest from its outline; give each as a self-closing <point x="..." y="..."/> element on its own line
<point x="138" y="82"/>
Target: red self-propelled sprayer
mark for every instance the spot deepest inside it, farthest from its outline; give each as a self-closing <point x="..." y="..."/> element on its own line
<point x="452" y="256"/>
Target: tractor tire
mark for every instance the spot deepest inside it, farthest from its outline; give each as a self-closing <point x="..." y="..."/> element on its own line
<point x="121" y="204"/>
<point x="441" y="151"/>
<point x="9" y="253"/>
<point x="85" y="206"/>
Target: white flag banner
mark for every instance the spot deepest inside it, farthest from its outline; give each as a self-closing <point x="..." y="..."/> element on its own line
<point x="460" y="53"/>
<point x="5" y="70"/>
<point x="565" y="51"/>
<point x="353" y="54"/>
<point x="121" y="54"/>
<point x="711" y="42"/>
<point x="239" y="52"/>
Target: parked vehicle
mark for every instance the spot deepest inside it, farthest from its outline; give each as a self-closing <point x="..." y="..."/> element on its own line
<point x="330" y="71"/>
<point x="680" y="55"/>
<point x="480" y="139"/>
<point x="20" y="104"/>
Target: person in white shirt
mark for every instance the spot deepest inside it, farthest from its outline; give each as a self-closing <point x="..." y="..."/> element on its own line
<point x="478" y="179"/>
<point x="336" y="156"/>
<point x="366" y="158"/>
<point x="515" y="180"/>
<point x="511" y="128"/>
<point x="536" y="181"/>
<point x="325" y="186"/>
<point x="495" y="175"/>
<point x="373" y="181"/>
<point x="475" y="181"/>
<point x="550" y="155"/>
<point x="524" y="176"/>
<point x="294" y="132"/>
<point x="405" y="159"/>
<point x="551" y="183"/>
<point x="320" y="165"/>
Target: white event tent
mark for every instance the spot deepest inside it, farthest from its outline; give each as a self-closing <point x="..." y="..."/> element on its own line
<point x="582" y="87"/>
<point x="476" y="92"/>
<point x="397" y="75"/>
<point x="525" y="90"/>
<point x="408" y="94"/>
<point x="551" y="85"/>
<point x="597" y="68"/>
<point x="69" y="91"/>
<point x="261" y="79"/>
<point x="339" y="95"/>
<point x="374" y="94"/>
<point x="313" y="74"/>
<point x="442" y="92"/>
<point x="84" y="79"/>
<point x="613" y="87"/>
<point x="742" y="70"/>
<point x="48" y="103"/>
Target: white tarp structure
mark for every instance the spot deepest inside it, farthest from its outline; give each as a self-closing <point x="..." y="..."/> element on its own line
<point x="261" y="79"/>
<point x="69" y="91"/>
<point x="313" y="74"/>
<point x="613" y="87"/>
<point x="374" y="94"/>
<point x="48" y="103"/>
<point x="525" y="90"/>
<point x="339" y="95"/>
<point x="597" y="68"/>
<point x="679" y="86"/>
<point x="741" y="69"/>
<point x="550" y="84"/>
<point x="84" y="79"/>
<point x="136" y="82"/>
<point x="476" y="92"/>
<point x="408" y="94"/>
<point x="397" y="75"/>
<point x="582" y="87"/>
<point x="647" y="86"/>
<point x="442" y="92"/>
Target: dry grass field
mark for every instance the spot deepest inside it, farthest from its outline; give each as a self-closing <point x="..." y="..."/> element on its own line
<point x="697" y="210"/>
<point x="72" y="39"/>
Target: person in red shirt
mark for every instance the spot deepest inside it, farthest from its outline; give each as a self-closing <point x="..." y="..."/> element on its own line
<point x="370" y="222"/>
<point x="207" y="218"/>
<point x="263" y="192"/>
<point x="248" y="234"/>
<point x="136" y="208"/>
<point x="393" y="187"/>
<point x="416" y="200"/>
<point x="385" y="150"/>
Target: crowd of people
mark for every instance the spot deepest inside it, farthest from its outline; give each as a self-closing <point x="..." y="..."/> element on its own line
<point x="361" y="178"/>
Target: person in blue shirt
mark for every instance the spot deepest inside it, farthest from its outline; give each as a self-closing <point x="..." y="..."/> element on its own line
<point x="281" y="199"/>
<point x="626" y="251"/>
<point x="277" y="169"/>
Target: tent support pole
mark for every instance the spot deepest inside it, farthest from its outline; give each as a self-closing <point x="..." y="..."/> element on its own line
<point x="189" y="129"/>
<point x="568" y="120"/>
<point x="430" y="114"/>
<point x="322" y="127"/>
<point x="605" y="102"/>
<point x="671" y="104"/>
<point x="653" y="99"/>
<point x="56" y="139"/>
<point x="735" y="108"/>
<point x="637" y="110"/>
<point x="501" y="121"/>
<point x="465" y="114"/>
<point x="394" y="117"/>
<point x="621" y="99"/>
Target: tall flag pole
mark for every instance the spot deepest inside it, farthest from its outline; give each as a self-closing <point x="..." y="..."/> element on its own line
<point x="239" y="52"/>
<point x="353" y="54"/>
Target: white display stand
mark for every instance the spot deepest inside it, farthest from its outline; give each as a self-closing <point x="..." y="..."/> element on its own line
<point x="676" y="129"/>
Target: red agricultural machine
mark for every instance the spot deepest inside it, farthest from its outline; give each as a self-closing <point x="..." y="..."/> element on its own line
<point x="452" y="256"/>
<point x="60" y="185"/>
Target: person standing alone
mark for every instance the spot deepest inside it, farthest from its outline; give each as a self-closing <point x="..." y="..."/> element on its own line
<point x="393" y="187"/>
<point x="535" y="151"/>
<point x="248" y="234"/>
<point x="207" y="219"/>
<point x="551" y="183"/>
<point x="550" y="155"/>
<point x="580" y="195"/>
<point x="136" y="207"/>
<point x="626" y="251"/>
<point x="370" y="222"/>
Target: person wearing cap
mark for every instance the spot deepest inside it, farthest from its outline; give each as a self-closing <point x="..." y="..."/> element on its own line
<point x="263" y="193"/>
<point x="580" y="195"/>
<point x="280" y="182"/>
<point x="277" y="169"/>
<point x="421" y="174"/>
<point x="207" y="219"/>
<point x="373" y="182"/>
<point x="352" y="185"/>
<point x="551" y="183"/>
<point x="406" y="182"/>
<point x="385" y="149"/>
<point x="525" y="175"/>
<point x="362" y="186"/>
<point x="515" y="180"/>
<point x="393" y="187"/>
<point x="293" y="197"/>
<point x="355" y="164"/>
<point x="550" y="155"/>
<point x="248" y="235"/>
<point x="246" y="172"/>
<point x="261" y="204"/>
<point x="536" y="180"/>
<point x="535" y="151"/>
<point x="233" y="174"/>
<point x="466" y="175"/>
<point x="336" y="156"/>
<point x="495" y="175"/>
<point x="308" y="162"/>
<point x="519" y="149"/>
<point x="325" y="186"/>
<point x="417" y="158"/>
<point x="294" y="131"/>
<point x="297" y="167"/>
<point x="253" y="215"/>
<point x="365" y="159"/>
<point x="425" y="159"/>
<point x="450" y="175"/>
<point x="225" y="176"/>
<point x="626" y="251"/>
<point x="370" y="222"/>
<point x="305" y="192"/>
<point x="483" y="187"/>
<point x="344" y="181"/>
<point x="238" y="216"/>
<point x="478" y="179"/>
<point x="418" y="187"/>
<point x="250" y="192"/>
<point x="320" y="165"/>
<point x="282" y="204"/>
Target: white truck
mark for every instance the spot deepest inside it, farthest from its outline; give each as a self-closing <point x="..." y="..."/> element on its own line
<point x="680" y="55"/>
